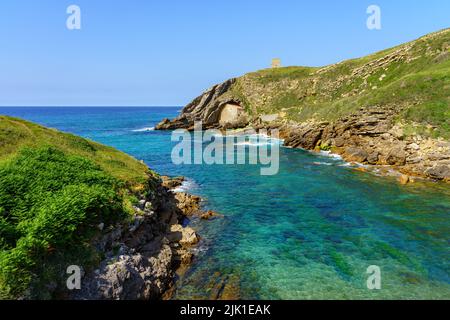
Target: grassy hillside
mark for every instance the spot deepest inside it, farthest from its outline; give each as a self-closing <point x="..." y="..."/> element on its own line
<point x="55" y="189"/>
<point x="16" y="134"/>
<point x="413" y="77"/>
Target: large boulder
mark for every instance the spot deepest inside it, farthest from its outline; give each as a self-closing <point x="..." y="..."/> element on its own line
<point x="187" y="203"/>
<point x="306" y="135"/>
<point x="356" y="154"/>
<point x="439" y="171"/>
<point x="185" y="236"/>
<point x="396" y="156"/>
<point x="131" y="277"/>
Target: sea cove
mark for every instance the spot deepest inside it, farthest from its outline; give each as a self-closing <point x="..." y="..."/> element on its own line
<point x="311" y="231"/>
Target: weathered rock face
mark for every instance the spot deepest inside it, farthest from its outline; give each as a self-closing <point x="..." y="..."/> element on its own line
<point x="131" y="277"/>
<point x="187" y="203"/>
<point x="142" y="255"/>
<point x="371" y="136"/>
<point x="185" y="236"/>
<point x="440" y="171"/>
<point x="305" y="135"/>
<point x="307" y="105"/>
<point x="172" y="183"/>
<point x="215" y="108"/>
<point x="356" y="154"/>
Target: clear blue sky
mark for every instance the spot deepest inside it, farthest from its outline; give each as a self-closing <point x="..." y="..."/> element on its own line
<point x="166" y="52"/>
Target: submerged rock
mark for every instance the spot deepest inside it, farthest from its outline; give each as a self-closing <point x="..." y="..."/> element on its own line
<point x="209" y="215"/>
<point x="403" y="179"/>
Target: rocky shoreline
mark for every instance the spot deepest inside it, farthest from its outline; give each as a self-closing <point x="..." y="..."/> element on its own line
<point x="371" y="136"/>
<point x="390" y="108"/>
<point x="141" y="257"/>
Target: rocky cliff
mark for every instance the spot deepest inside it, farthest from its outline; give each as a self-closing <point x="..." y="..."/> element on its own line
<point x="66" y="201"/>
<point x="142" y="255"/>
<point x="208" y="108"/>
<point x="390" y="108"/>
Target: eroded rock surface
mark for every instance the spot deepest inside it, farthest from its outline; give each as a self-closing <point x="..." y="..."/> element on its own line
<point x="215" y="108"/>
<point x="295" y="99"/>
<point x="141" y="256"/>
<point x="372" y="136"/>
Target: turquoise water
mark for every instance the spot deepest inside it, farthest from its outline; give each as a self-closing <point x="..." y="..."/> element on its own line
<point x="309" y="232"/>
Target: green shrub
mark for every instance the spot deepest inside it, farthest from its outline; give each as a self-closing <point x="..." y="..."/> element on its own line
<point x="50" y="204"/>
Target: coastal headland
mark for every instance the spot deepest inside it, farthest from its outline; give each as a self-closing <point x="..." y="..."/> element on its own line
<point x="389" y="109"/>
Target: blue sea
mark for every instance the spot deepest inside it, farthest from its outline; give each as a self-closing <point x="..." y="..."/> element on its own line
<point x="309" y="232"/>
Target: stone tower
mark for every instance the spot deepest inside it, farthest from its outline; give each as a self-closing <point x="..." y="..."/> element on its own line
<point x="276" y="63"/>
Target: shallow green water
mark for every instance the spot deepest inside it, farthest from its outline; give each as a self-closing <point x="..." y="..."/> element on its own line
<point x="308" y="232"/>
<point x="312" y="230"/>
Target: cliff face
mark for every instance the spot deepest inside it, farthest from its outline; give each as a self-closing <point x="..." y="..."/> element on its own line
<point x="142" y="255"/>
<point x="389" y="108"/>
<point x="208" y="108"/>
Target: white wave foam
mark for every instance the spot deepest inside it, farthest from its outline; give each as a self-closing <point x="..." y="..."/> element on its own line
<point x="354" y="165"/>
<point x="186" y="186"/>
<point x="260" y="140"/>
<point x="256" y="144"/>
<point x="330" y="155"/>
<point x="322" y="163"/>
<point x="144" y="129"/>
<point x="346" y="164"/>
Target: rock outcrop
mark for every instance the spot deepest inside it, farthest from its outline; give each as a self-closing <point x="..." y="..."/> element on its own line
<point x="208" y="108"/>
<point x="330" y="108"/>
<point x="141" y="256"/>
<point x="371" y="136"/>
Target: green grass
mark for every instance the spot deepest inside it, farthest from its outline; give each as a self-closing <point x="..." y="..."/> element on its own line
<point x="413" y="77"/>
<point x="55" y="188"/>
<point x="17" y="133"/>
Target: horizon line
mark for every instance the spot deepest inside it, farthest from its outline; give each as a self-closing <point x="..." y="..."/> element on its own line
<point x="93" y="106"/>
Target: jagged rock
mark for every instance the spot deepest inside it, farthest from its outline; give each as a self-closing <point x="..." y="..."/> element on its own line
<point x="440" y="172"/>
<point x="414" y="146"/>
<point x="373" y="157"/>
<point x="396" y="156"/>
<point x="141" y="256"/>
<point x="184" y="256"/>
<point x="414" y="160"/>
<point x="403" y="179"/>
<point x="172" y="182"/>
<point x="187" y="203"/>
<point x="356" y="154"/>
<point x="305" y="136"/>
<point x="208" y="215"/>
<point x="436" y="155"/>
<point x="339" y="142"/>
<point x="186" y="236"/>
<point x="207" y="108"/>
<point x="130" y="277"/>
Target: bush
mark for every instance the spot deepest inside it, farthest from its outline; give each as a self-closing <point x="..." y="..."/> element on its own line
<point x="50" y="204"/>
